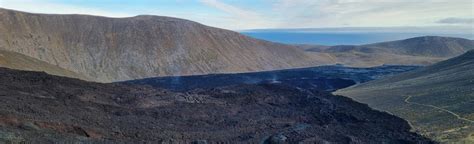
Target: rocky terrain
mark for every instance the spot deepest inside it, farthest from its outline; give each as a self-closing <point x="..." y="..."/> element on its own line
<point x="437" y="100"/>
<point x="115" y="49"/>
<point x="37" y="107"/>
<point x="178" y="81"/>
<point x="328" y="78"/>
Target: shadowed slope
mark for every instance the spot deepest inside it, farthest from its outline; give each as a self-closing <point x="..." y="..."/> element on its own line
<point x="437" y="100"/>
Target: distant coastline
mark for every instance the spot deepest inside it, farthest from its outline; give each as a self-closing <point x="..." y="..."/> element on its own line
<point x="353" y="36"/>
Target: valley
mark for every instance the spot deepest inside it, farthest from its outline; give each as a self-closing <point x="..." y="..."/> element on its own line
<point x="328" y="78"/>
<point x="103" y="49"/>
<point x="43" y="108"/>
<point x="77" y="78"/>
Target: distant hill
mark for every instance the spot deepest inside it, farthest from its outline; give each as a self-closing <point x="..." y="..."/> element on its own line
<point x="114" y="49"/>
<point x="356" y="35"/>
<point x="427" y="46"/>
<point x="437" y="100"/>
<point x="415" y="51"/>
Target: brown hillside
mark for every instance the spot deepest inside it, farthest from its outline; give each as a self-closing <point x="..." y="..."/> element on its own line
<point x="18" y="61"/>
<point x="414" y="51"/>
<point x="114" y="49"/>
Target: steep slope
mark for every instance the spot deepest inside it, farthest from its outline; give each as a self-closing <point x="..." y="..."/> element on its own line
<point x="437" y="100"/>
<point x="18" y="61"/>
<point x="414" y="51"/>
<point x="40" y="108"/>
<point x="114" y="49"/>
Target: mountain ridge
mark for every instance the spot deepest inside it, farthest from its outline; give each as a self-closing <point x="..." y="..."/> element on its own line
<point x="417" y="46"/>
<point x="438" y="46"/>
<point x="118" y="49"/>
<point x="113" y="49"/>
<point x="424" y="50"/>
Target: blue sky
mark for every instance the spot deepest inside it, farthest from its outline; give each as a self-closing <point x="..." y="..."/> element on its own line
<point x="259" y="14"/>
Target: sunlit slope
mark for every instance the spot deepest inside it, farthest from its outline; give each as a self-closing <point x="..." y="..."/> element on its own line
<point x="115" y="49"/>
<point x="18" y="61"/>
<point x="438" y="100"/>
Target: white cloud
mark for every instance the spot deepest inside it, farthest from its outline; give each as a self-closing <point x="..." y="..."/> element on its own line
<point x="456" y="20"/>
<point x="336" y="13"/>
<point x="230" y="9"/>
<point x="55" y="8"/>
<point x="288" y="13"/>
<point x="238" y="18"/>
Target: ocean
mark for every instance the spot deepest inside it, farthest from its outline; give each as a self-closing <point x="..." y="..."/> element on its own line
<point x="337" y="38"/>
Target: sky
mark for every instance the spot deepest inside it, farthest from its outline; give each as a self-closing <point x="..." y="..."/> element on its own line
<point x="275" y="14"/>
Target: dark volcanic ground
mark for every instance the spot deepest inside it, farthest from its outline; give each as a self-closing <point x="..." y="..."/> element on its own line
<point x="37" y="107"/>
<point x="327" y="78"/>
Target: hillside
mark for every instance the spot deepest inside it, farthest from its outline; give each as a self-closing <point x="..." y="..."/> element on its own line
<point x="21" y="62"/>
<point x="437" y="100"/>
<point x="414" y="51"/>
<point x="115" y="49"/>
<point x="40" y="108"/>
<point x="433" y="46"/>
